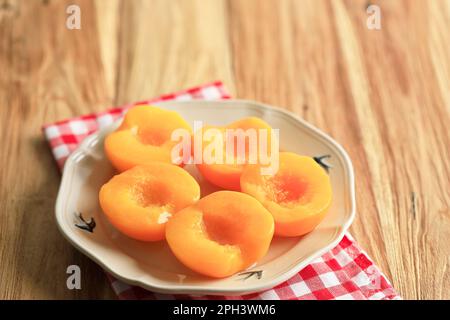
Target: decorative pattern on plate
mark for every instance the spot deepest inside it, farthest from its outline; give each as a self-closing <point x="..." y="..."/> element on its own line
<point x="249" y="274"/>
<point x="322" y="163"/>
<point x="85" y="225"/>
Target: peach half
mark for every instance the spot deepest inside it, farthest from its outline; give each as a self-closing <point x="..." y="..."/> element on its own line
<point x="223" y="233"/>
<point x="298" y="195"/>
<point x="139" y="201"/>
<point x="143" y="137"/>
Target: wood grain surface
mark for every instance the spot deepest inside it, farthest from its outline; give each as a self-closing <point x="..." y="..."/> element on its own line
<point x="383" y="94"/>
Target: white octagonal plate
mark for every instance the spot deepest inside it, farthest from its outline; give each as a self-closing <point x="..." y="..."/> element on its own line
<point x="151" y="265"/>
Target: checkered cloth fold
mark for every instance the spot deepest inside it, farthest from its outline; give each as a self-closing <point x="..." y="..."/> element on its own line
<point x="345" y="272"/>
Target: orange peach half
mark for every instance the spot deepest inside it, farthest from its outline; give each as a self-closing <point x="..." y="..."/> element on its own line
<point x="143" y="137"/>
<point x="227" y="172"/>
<point x="139" y="201"/>
<point x="298" y="195"/>
<point x="223" y="233"/>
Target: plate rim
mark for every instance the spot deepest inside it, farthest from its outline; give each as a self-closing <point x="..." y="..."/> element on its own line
<point x="198" y="289"/>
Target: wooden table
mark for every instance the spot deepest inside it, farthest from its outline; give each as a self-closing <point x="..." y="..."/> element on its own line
<point x="383" y="94"/>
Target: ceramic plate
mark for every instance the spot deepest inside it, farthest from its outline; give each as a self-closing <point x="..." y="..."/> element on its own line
<point x="152" y="265"/>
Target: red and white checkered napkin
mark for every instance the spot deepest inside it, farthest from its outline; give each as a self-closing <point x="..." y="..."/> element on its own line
<point x="345" y="272"/>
